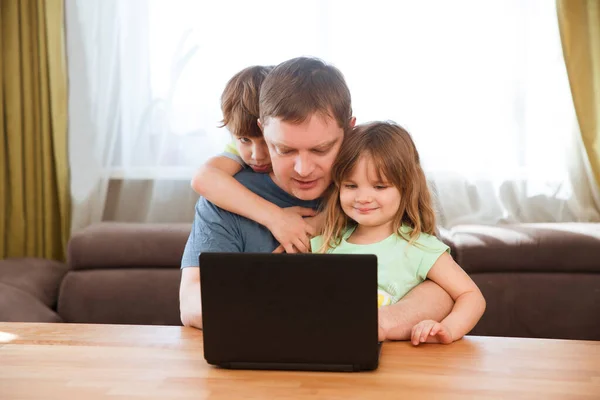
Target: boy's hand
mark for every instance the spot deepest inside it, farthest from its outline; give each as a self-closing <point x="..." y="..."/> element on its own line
<point x="429" y="331"/>
<point x="291" y="230"/>
<point x="317" y="221"/>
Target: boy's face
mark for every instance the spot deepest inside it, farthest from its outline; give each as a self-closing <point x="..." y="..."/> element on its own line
<point x="302" y="154"/>
<point x="255" y="153"/>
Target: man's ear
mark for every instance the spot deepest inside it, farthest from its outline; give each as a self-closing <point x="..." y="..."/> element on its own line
<point x="260" y="125"/>
<point x="352" y="122"/>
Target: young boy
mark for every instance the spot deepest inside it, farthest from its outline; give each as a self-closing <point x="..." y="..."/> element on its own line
<point x="214" y="180"/>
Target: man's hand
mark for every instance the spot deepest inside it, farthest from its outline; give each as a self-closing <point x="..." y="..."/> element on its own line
<point x="190" y="306"/>
<point x="383" y="323"/>
<point x="291" y="230"/>
<point x="430" y="331"/>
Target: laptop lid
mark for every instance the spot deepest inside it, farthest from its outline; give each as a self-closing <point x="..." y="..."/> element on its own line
<point x="290" y="311"/>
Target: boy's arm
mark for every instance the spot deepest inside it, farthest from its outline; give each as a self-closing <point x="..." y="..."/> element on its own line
<point x="225" y="164"/>
<point x="215" y="182"/>
<point x="425" y="301"/>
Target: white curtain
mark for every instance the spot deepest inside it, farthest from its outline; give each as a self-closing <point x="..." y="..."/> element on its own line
<point x="481" y="85"/>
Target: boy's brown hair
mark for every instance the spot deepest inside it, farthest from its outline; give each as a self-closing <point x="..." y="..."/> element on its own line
<point x="239" y="101"/>
<point x="303" y="86"/>
<point x="396" y="160"/>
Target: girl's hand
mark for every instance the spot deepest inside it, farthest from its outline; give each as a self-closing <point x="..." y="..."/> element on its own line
<point x="291" y="230"/>
<point x="429" y="331"/>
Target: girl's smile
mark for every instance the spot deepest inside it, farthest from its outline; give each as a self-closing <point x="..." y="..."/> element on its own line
<point x="365" y="210"/>
<point x="368" y="200"/>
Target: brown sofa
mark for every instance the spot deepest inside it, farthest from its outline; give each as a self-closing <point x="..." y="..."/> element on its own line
<point x="29" y="289"/>
<point x="539" y="280"/>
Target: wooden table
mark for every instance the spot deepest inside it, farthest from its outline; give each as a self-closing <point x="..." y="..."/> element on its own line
<point x="71" y="361"/>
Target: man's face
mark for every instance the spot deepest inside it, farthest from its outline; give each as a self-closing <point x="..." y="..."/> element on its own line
<point x="302" y="154"/>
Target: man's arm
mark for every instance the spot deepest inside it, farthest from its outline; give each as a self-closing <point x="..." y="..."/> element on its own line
<point x="213" y="230"/>
<point x="190" y="307"/>
<point x="426" y="301"/>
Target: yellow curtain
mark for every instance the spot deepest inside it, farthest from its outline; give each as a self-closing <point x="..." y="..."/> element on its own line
<point x="34" y="175"/>
<point x="579" y="22"/>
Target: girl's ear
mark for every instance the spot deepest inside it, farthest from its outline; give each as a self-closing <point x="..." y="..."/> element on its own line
<point x="259" y="124"/>
<point x="352" y="122"/>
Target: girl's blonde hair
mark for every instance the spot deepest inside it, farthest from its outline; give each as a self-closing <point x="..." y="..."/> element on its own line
<point x="396" y="161"/>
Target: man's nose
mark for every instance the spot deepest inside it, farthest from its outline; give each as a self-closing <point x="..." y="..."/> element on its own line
<point x="303" y="166"/>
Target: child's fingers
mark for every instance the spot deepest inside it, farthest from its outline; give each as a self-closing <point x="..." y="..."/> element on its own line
<point x="303" y="211"/>
<point x="289" y="248"/>
<point x="301" y="246"/>
<point x="279" y="249"/>
<point x="310" y="230"/>
<point x="417" y="334"/>
<point x="412" y="332"/>
<point x="436" y="329"/>
<point x="425" y="333"/>
<point x="306" y="240"/>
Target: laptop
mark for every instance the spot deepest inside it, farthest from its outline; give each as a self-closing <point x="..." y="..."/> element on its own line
<point x="314" y="312"/>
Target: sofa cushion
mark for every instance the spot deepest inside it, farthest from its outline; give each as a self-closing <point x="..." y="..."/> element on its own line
<point x="121" y="296"/>
<point x="547" y="247"/>
<point x="36" y="277"/>
<point x="128" y="245"/>
<point x="540" y="305"/>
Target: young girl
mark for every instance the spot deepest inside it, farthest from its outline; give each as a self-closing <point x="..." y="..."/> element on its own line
<point x="214" y="180"/>
<point x="380" y="204"/>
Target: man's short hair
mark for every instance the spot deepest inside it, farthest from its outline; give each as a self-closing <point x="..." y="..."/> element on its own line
<point x="298" y="88"/>
<point x="239" y="101"/>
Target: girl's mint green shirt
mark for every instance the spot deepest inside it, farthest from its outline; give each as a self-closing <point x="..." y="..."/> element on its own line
<point x="400" y="266"/>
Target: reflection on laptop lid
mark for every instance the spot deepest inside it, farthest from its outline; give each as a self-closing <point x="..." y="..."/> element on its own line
<point x="290" y="311"/>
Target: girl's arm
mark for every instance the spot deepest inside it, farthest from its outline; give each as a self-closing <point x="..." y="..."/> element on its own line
<point x="469" y="304"/>
<point x="427" y="300"/>
<point x="215" y="182"/>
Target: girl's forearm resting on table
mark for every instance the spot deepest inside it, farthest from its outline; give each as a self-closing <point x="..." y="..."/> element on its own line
<point x="426" y="301"/>
<point x="468" y="309"/>
<point x="469" y="302"/>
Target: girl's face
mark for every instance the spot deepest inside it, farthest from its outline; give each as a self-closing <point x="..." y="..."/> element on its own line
<point x="255" y="153"/>
<point x="365" y="199"/>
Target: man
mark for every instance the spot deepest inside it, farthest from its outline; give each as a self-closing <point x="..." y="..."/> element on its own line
<point x="305" y="107"/>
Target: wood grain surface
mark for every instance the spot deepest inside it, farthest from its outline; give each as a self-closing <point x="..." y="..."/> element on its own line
<point x="73" y="361"/>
